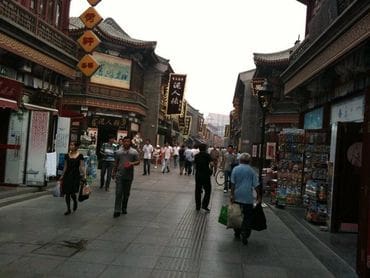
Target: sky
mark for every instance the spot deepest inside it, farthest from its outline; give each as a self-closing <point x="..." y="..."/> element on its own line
<point x="211" y="41"/>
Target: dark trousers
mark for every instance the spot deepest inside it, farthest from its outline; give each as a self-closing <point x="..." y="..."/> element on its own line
<point x="246" y="230"/>
<point x="227" y="175"/>
<point x="123" y="187"/>
<point x="106" y="168"/>
<point x="188" y="166"/>
<point x="146" y="166"/>
<point x="206" y="185"/>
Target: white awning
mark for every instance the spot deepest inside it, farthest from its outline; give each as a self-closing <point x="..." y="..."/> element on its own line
<point x="30" y="106"/>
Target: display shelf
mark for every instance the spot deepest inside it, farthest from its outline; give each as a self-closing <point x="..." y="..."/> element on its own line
<point x="316" y="157"/>
<point x="290" y="168"/>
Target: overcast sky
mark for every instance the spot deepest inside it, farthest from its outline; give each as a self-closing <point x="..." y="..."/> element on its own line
<point x="211" y="41"/>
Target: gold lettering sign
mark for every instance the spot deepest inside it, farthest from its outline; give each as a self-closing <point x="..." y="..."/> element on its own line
<point x="89" y="41"/>
<point x="88" y="65"/>
<point x="90" y="18"/>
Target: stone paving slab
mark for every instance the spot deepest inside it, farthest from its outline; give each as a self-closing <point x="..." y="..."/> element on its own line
<point x="161" y="236"/>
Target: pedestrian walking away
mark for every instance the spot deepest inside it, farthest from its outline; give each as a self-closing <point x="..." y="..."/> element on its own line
<point x="176" y="149"/>
<point x="215" y="154"/>
<point x="107" y="152"/>
<point x="243" y="181"/>
<point x="228" y="160"/>
<point x="203" y="174"/>
<point x="182" y="159"/>
<point x="73" y="172"/>
<point x="147" y="151"/>
<point x="166" y="157"/>
<point x="123" y="172"/>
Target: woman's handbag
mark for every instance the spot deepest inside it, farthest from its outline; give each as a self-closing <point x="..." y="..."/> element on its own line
<point x="258" y="219"/>
<point x="84" y="193"/>
<point x="234" y="216"/>
<point x="222" y="218"/>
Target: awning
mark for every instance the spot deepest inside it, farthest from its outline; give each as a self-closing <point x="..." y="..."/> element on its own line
<point x="30" y="106"/>
<point x="8" y="103"/>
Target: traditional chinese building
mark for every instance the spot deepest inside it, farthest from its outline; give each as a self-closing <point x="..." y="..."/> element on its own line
<point x="246" y="115"/>
<point x="37" y="58"/>
<point x="123" y="97"/>
<point x="329" y="75"/>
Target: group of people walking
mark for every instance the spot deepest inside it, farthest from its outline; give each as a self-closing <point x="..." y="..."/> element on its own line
<point x="118" y="163"/>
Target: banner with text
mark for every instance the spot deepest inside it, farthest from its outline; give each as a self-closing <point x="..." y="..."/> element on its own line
<point x="176" y="89"/>
<point x="187" y="125"/>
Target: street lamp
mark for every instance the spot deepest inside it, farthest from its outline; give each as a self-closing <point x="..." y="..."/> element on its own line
<point x="264" y="95"/>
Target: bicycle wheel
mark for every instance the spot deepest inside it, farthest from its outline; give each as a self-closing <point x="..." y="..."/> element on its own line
<point x="220" y="177"/>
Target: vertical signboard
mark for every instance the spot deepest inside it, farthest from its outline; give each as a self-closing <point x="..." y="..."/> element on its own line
<point x="62" y="141"/>
<point x="37" y="144"/>
<point x="176" y="89"/>
<point x="187" y="127"/>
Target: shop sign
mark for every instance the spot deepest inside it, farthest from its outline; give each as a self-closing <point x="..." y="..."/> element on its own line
<point x="227" y="131"/>
<point x="93" y="2"/>
<point x="88" y="41"/>
<point x="90" y="18"/>
<point x="88" y="65"/>
<point x="10" y="89"/>
<point x="188" y="120"/>
<point x="97" y="121"/>
<point x="176" y="89"/>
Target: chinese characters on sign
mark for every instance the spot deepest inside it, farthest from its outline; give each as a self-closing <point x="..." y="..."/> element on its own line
<point x="88" y="65"/>
<point x="227" y="131"/>
<point x="88" y="41"/>
<point x="90" y="18"/>
<point x="176" y="88"/>
<point x="200" y="124"/>
<point x="187" y="125"/>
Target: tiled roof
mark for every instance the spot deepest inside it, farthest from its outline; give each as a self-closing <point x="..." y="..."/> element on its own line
<point x="110" y="30"/>
<point x="276" y="58"/>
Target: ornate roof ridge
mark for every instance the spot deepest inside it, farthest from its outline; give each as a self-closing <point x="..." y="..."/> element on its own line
<point x="279" y="57"/>
<point x="109" y="29"/>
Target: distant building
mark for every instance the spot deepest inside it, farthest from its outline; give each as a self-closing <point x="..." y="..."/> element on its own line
<point x="218" y="122"/>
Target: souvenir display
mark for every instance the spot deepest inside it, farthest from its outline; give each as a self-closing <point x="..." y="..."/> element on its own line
<point x="290" y="167"/>
<point x="316" y="173"/>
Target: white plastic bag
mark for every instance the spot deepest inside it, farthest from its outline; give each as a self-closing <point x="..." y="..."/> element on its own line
<point x="234" y="216"/>
<point x="58" y="190"/>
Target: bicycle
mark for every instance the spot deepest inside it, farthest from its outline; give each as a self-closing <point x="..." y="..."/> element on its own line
<point x="220" y="177"/>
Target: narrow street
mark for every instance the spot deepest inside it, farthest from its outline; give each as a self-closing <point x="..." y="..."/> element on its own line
<point x="161" y="236"/>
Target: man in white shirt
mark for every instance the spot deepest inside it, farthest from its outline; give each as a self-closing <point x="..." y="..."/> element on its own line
<point x="175" y="155"/>
<point x="147" y="150"/>
<point x="166" y="153"/>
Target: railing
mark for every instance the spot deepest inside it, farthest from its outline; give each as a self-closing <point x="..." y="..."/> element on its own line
<point x="17" y="15"/>
<point x="105" y="93"/>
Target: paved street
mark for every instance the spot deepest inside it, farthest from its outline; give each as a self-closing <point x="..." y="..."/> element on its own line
<point x="161" y="236"/>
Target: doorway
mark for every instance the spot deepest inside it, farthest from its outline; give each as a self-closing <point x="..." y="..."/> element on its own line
<point x="4" y="125"/>
<point x="347" y="179"/>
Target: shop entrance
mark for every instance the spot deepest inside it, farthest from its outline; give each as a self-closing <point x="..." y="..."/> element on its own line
<point x="4" y="125"/>
<point x="347" y="178"/>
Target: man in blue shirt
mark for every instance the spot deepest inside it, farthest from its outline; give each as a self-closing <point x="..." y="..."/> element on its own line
<point x="244" y="181"/>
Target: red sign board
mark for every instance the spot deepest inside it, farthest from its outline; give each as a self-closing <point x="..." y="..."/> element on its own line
<point x="10" y="89"/>
<point x="93" y="2"/>
<point x="90" y="18"/>
<point x="88" y="65"/>
<point x="89" y="41"/>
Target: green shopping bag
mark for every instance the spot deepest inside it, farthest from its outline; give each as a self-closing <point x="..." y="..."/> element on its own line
<point x="222" y="218"/>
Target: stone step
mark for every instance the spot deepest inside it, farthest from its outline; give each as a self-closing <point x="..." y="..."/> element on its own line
<point x="20" y="197"/>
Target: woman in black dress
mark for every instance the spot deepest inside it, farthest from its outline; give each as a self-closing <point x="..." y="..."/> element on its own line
<point x="74" y="170"/>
